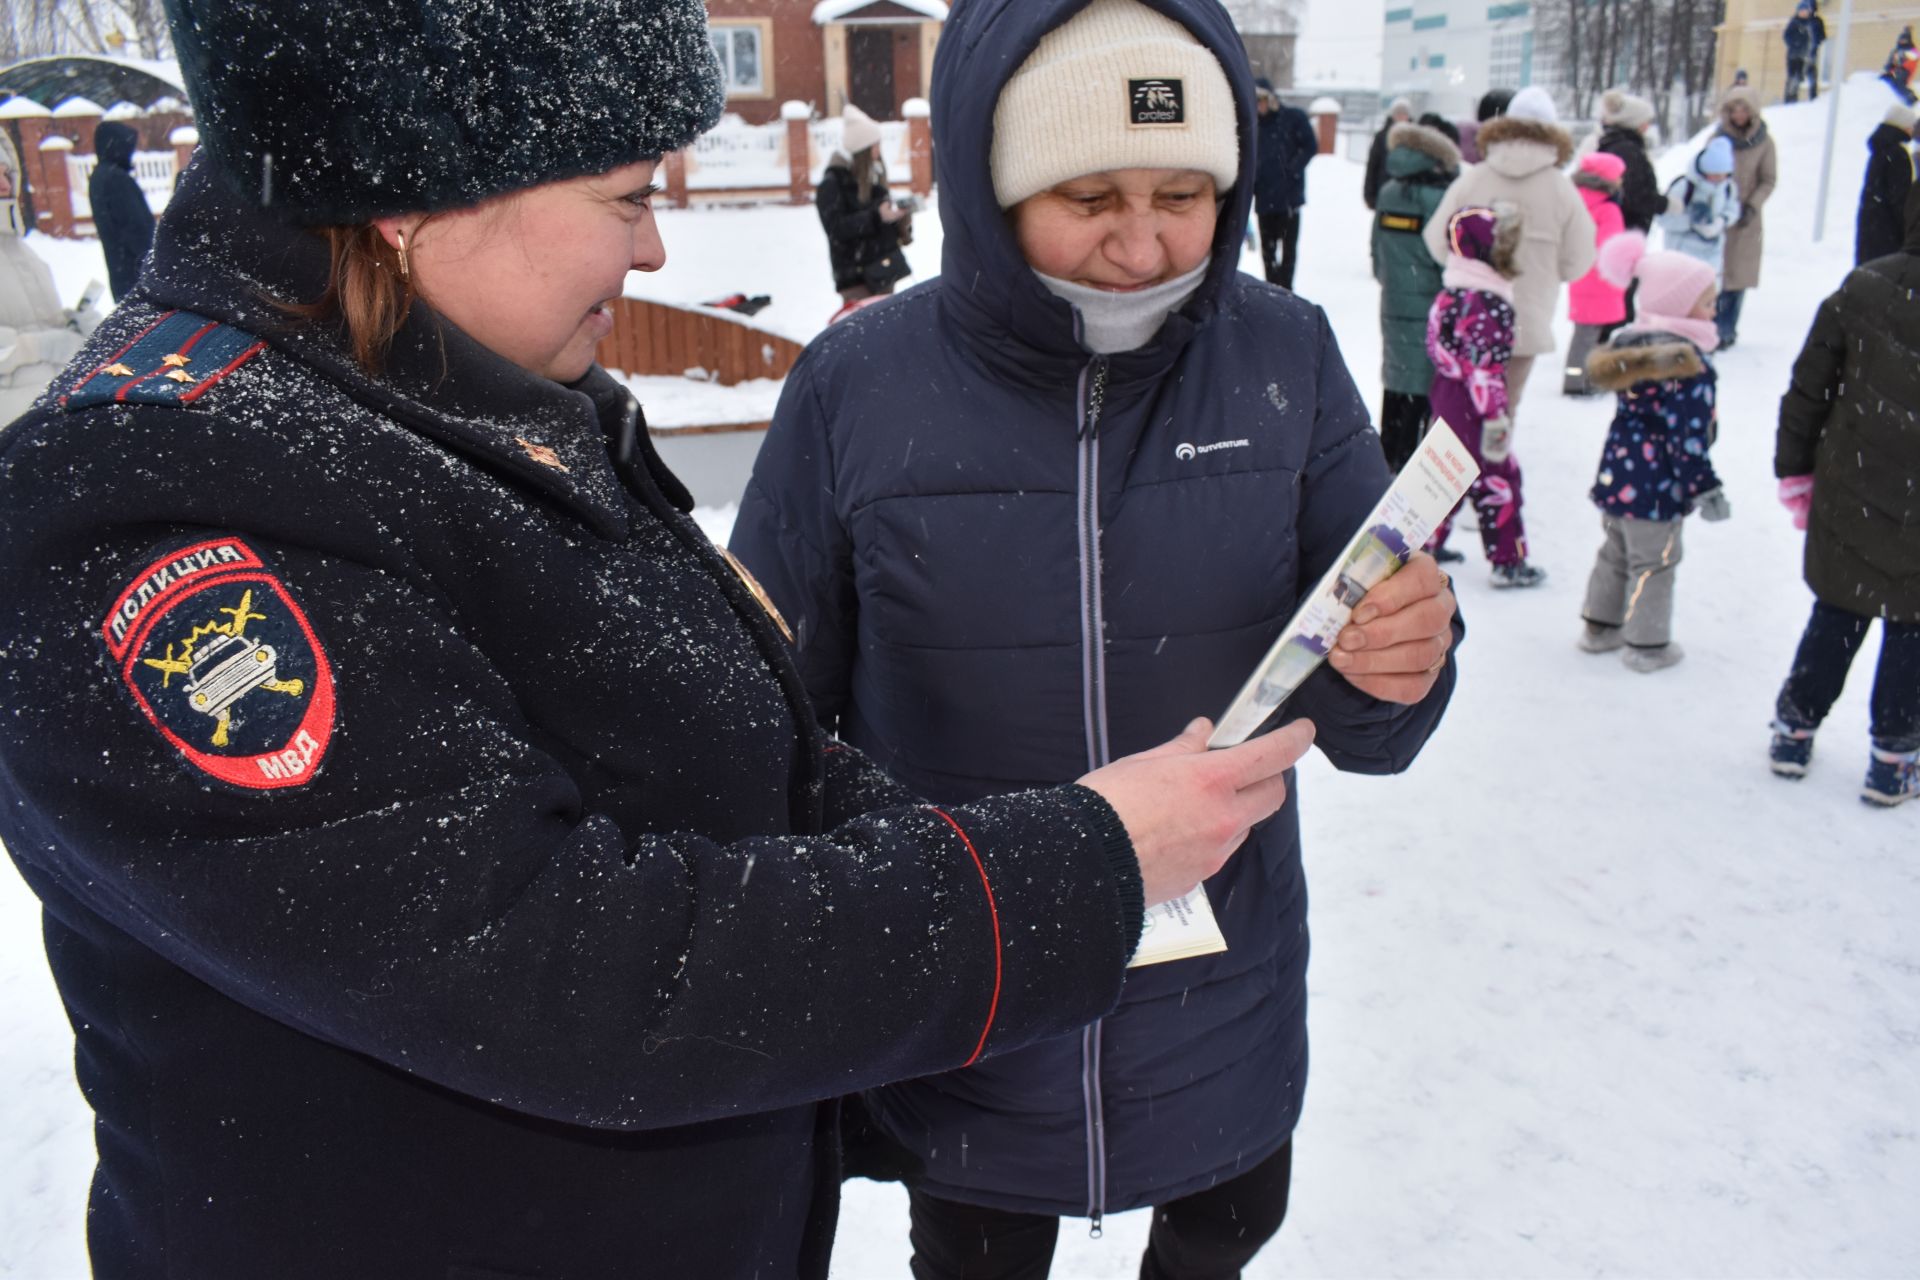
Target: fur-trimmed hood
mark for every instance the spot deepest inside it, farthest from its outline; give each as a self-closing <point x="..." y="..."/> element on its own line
<point x="1663" y="359"/>
<point x="1594" y="182"/>
<point x="1756" y="130"/>
<point x="1427" y="141"/>
<point x="1510" y="129"/>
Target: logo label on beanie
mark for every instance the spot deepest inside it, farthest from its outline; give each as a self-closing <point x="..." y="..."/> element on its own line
<point x="1156" y="103"/>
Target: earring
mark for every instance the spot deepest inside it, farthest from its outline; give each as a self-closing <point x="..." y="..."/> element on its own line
<point x="401" y="238"/>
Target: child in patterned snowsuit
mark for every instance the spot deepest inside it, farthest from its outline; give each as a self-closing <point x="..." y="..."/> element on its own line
<point x="1653" y="469"/>
<point x="1470" y="339"/>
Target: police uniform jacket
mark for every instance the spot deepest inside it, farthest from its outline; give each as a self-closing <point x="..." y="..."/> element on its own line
<point x="442" y="868"/>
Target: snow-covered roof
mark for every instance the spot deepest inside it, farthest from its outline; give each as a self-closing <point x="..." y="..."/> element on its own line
<point x="21" y="107"/>
<point x="835" y="10"/>
<point x="97" y="76"/>
<point x="76" y="106"/>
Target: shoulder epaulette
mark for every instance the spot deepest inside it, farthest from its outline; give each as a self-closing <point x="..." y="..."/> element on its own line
<point x="174" y="360"/>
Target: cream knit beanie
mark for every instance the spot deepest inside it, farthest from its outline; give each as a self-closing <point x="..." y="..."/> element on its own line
<point x="1117" y="86"/>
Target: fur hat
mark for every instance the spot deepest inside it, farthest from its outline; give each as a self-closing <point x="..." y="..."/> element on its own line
<point x="1117" y="86"/>
<point x="1617" y="106"/>
<point x="1534" y="103"/>
<point x="340" y="112"/>
<point x="1900" y="117"/>
<point x="1671" y="284"/>
<point x="1487" y="234"/>
<point x="858" y="131"/>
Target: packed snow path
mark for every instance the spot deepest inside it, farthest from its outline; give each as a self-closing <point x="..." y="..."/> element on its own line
<point x="1593" y="993"/>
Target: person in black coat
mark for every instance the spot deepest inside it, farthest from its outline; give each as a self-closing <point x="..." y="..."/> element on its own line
<point x="1846" y="456"/>
<point x="1286" y="145"/>
<point x="121" y="214"/>
<point x="1880" y="227"/>
<point x="1399" y="113"/>
<point x="865" y="227"/>
<point x="1624" y="121"/>
<point x="442" y="866"/>
<point x="1805" y="32"/>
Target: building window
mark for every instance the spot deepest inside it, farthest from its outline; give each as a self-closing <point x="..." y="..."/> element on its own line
<point x="1430" y="22"/>
<point x="743" y="57"/>
<point x="1437" y="60"/>
<point x="1399" y="15"/>
<point x="1508" y="60"/>
<point x="1501" y="12"/>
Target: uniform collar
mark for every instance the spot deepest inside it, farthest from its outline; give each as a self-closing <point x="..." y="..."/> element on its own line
<point x="216" y="255"/>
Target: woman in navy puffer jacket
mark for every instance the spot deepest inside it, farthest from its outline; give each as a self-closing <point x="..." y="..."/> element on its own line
<point x="1054" y="504"/>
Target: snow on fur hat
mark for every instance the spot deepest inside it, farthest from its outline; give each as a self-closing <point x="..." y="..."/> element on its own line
<point x="1487" y="234"/>
<point x="1617" y="106"/>
<point x="1117" y="86"/>
<point x="341" y="112"/>
<point x="1716" y="156"/>
<point x="1534" y="103"/>
<point x="1671" y="284"/>
<point x="858" y="131"/>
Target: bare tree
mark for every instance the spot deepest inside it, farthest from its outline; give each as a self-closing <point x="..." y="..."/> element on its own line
<point x="37" y="28"/>
<point x="1661" y="50"/>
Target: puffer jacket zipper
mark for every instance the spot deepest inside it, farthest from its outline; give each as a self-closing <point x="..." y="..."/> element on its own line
<point x="1089" y="402"/>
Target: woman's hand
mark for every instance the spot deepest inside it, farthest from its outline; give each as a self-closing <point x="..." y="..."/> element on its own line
<point x="1397" y="640"/>
<point x="1187" y="808"/>
<point x="890" y="212"/>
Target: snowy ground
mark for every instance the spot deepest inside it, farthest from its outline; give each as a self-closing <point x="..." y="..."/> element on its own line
<point x="1593" y="993"/>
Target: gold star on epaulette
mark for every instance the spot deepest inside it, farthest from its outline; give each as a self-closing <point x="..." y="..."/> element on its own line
<point x="118" y="371"/>
<point x="541" y="454"/>
<point x="175" y="361"/>
<point x="180" y="375"/>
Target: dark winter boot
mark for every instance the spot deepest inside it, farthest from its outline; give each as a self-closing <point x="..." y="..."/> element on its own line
<point x="1518" y="574"/>
<point x="1790" y="751"/>
<point x="1893" y="777"/>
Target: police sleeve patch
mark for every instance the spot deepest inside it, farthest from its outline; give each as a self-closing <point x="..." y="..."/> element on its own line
<point x="223" y="661"/>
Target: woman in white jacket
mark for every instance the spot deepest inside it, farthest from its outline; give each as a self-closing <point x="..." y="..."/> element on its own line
<point x="1525" y="151"/>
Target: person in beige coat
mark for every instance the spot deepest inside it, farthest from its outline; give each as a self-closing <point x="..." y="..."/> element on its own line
<point x="1524" y="152"/>
<point x="1754" y="175"/>
<point x="36" y="339"/>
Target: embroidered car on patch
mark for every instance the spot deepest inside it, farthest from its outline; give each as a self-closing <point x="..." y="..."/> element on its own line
<point x="225" y="664"/>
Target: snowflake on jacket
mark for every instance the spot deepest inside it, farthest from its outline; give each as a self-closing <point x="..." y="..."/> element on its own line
<point x="1654" y="464"/>
<point x="1470" y="340"/>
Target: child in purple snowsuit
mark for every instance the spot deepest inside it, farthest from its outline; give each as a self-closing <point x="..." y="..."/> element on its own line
<point x="1653" y="469"/>
<point x="1470" y="339"/>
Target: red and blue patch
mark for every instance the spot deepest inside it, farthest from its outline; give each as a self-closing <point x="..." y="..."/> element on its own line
<point x="225" y="664"/>
<point x="174" y="360"/>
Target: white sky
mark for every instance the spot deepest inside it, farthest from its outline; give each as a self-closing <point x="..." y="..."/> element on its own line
<point x="1340" y="43"/>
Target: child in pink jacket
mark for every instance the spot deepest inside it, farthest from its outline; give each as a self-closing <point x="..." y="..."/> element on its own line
<point x="1596" y="305"/>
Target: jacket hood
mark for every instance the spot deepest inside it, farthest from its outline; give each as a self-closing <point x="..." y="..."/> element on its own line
<point x="1741" y="95"/>
<point x="1415" y="148"/>
<point x="1553" y="145"/>
<point x="114" y="143"/>
<point x="1651" y="357"/>
<point x="985" y="283"/>
<point x="1888" y="137"/>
